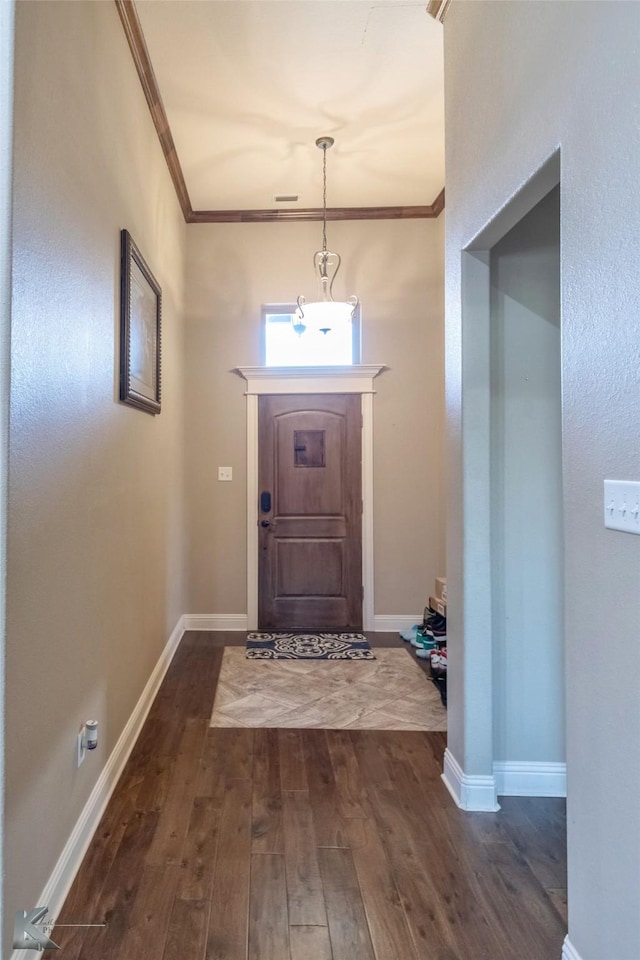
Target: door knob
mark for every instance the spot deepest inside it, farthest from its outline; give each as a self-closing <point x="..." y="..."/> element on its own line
<point x="265" y="523"/>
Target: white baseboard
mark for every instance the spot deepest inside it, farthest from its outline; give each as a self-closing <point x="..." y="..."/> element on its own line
<point x="391" y="623"/>
<point x="59" y="883"/>
<point x="530" y="779"/>
<point x="394" y="622"/>
<point x="469" y="792"/>
<point x="216" y="621"/>
<point x="569" y="952"/>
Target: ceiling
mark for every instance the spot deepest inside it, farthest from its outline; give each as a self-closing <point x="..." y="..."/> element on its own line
<point x="248" y="86"/>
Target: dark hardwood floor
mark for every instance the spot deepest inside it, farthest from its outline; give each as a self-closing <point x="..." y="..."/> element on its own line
<point x="269" y="844"/>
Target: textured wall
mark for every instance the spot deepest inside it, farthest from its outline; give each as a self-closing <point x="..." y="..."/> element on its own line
<point x="521" y="80"/>
<point x="396" y="270"/>
<point x="526" y="480"/>
<point x="95" y="582"/>
<point x="7" y="26"/>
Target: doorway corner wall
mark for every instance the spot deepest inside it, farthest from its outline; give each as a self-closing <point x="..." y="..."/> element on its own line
<point x="472" y="772"/>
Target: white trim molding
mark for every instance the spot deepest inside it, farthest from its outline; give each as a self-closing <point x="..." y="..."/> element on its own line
<point x="469" y="792"/>
<point x="271" y="380"/>
<point x="394" y="622"/>
<point x="216" y="621"/>
<point x="368" y="586"/>
<point x="380" y="623"/>
<point x="569" y="952"/>
<point x="59" y="883"/>
<point x="252" y="512"/>
<point x="300" y="380"/>
<point x="530" y="779"/>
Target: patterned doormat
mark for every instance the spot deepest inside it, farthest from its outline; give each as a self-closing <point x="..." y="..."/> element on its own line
<point x="308" y="646"/>
<point x="391" y="692"/>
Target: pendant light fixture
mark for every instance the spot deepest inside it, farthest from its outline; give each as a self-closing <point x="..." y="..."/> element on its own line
<point x="325" y="313"/>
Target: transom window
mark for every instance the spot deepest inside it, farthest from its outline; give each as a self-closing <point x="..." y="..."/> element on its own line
<point x="283" y="347"/>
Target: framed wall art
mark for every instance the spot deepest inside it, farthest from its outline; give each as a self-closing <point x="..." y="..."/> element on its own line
<point x="140" y="330"/>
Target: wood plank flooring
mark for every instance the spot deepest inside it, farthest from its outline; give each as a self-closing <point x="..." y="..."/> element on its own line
<point x="271" y="844"/>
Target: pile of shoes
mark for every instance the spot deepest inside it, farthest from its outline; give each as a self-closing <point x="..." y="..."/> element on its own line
<point x="429" y="639"/>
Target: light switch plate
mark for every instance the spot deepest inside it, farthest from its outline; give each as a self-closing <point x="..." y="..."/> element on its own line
<point x="225" y="473"/>
<point x="622" y="505"/>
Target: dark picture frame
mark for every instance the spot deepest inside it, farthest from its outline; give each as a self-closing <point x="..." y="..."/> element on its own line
<point x="140" y="329"/>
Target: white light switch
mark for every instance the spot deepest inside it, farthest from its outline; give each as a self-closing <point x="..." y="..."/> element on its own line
<point x="225" y="473"/>
<point x="622" y="505"/>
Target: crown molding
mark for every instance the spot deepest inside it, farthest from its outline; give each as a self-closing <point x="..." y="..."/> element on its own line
<point x="142" y="60"/>
<point x="140" y="53"/>
<point x="438" y="204"/>
<point x="438" y="9"/>
<point x="291" y="214"/>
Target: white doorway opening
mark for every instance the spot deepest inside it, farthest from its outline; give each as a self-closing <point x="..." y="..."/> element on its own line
<point x="506" y="709"/>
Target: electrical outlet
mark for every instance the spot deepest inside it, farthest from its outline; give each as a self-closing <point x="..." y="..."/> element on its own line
<point x="82" y="743"/>
<point x="225" y="473"/>
<point x="622" y="505"/>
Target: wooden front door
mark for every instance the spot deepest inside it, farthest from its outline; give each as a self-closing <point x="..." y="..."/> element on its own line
<point x="310" y="512"/>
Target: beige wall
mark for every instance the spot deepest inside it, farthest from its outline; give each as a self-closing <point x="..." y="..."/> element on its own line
<point x="95" y="564"/>
<point x="526" y="467"/>
<point x="396" y="270"/>
<point x="573" y="73"/>
<point x="97" y="527"/>
<point x="7" y="24"/>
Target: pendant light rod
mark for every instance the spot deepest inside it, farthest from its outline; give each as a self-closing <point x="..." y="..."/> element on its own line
<point x="324" y="143"/>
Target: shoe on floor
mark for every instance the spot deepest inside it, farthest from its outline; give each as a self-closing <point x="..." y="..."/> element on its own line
<point x="423" y="644"/>
<point x="410" y="634"/>
<point x="424" y="652"/>
<point x="432" y="615"/>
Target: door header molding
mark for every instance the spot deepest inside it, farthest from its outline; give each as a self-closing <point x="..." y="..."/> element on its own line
<point x="270" y="380"/>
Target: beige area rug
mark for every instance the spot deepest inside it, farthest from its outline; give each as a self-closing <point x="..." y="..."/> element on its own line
<point x="388" y="693"/>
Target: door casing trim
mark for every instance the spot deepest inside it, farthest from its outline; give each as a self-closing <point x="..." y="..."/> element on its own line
<point x="302" y="380"/>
